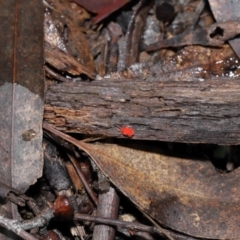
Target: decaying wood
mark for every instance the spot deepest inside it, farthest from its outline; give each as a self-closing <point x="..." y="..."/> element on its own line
<point x="196" y="111"/>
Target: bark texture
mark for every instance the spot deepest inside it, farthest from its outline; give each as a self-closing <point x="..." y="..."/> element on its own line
<point x="184" y="110"/>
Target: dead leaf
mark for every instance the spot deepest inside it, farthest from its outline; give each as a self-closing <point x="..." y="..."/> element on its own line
<point x="188" y="196"/>
<point x="224" y="11"/>
<point x="78" y="45"/>
<point x="133" y="35"/>
<point x="21" y="94"/>
<point x="185" y="195"/>
<point x="63" y="61"/>
<point x="103" y="8"/>
<point x="63" y="31"/>
<point x="5" y="190"/>
<point x="215" y="35"/>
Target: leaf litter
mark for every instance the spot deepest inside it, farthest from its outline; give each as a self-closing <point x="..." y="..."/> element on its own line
<point x="184" y="195"/>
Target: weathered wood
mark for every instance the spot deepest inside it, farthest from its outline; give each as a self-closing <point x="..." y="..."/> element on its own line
<point x="180" y="111"/>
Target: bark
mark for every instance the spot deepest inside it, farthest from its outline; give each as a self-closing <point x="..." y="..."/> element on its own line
<point x="187" y="110"/>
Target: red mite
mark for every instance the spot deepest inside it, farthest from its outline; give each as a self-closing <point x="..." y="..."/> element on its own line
<point x="126" y="131"/>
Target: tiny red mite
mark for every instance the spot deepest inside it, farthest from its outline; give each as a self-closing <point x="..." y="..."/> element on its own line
<point x="126" y="131"/>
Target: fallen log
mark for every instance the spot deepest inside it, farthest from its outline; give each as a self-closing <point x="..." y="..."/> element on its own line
<point x="182" y="110"/>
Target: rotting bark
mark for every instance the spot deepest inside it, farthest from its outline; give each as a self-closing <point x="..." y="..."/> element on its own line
<point x="190" y="111"/>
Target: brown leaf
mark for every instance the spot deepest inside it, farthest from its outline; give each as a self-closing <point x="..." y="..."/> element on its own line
<point x="189" y="196"/>
<point x="214" y="35"/>
<point x="133" y="35"/>
<point x="78" y="45"/>
<point x="75" y="56"/>
<point x="184" y="195"/>
<point x="62" y="61"/>
<point x="21" y="94"/>
<point x="103" y="8"/>
<point x="224" y="11"/>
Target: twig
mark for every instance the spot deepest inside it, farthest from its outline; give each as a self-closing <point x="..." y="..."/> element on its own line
<point x="39" y="221"/>
<point x="166" y="234"/>
<point x="56" y="75"/>
<point x="134" y="226"/>
<point x="59" y="77"/>
<point x="12" y="194"/>
<point x="121" y="224"/>
<point x="122" y="62"/>
<point x="81" y="176"/>
<point x="14" y="226"/>
<point x="108" y="205"/>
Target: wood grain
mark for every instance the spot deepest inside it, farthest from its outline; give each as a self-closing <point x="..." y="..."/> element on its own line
<point x="184" y="110"/>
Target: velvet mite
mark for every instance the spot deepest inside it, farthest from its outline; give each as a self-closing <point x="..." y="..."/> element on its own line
<point x="126" y="131"/>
